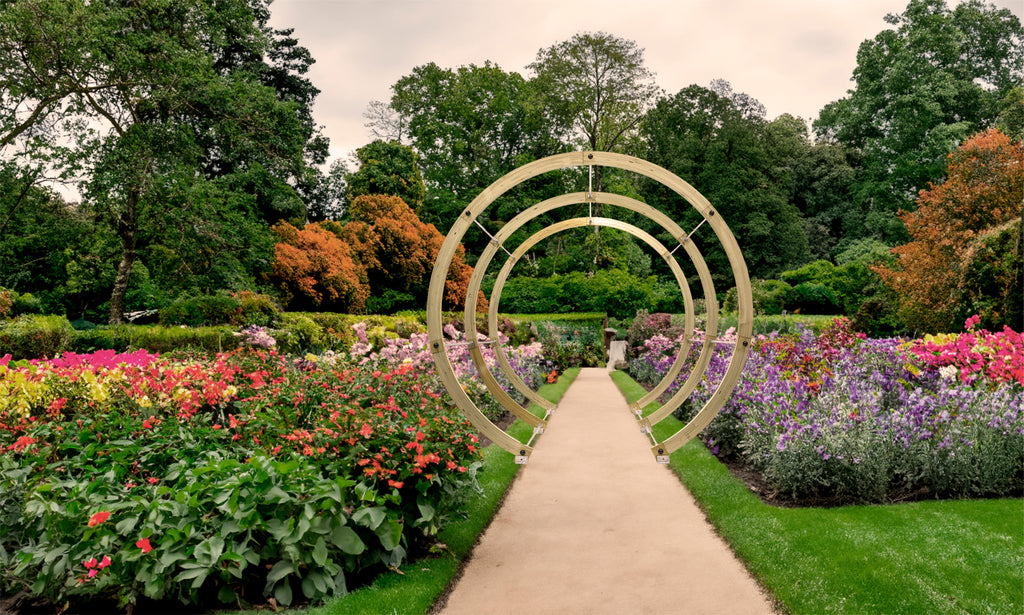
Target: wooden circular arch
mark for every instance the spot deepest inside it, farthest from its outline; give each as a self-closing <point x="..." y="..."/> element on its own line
<point x="454" y="237"/>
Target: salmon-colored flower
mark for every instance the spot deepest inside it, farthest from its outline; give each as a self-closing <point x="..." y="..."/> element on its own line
<point x="98" y="518"/>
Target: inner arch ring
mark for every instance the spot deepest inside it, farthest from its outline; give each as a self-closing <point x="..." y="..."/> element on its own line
<point x="628" y="203"/>
<point x="470" y="311"/>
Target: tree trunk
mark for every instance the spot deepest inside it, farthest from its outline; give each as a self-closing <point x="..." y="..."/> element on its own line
<point x="128" y="229"/>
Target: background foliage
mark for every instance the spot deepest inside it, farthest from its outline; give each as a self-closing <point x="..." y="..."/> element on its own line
<point x="177" y="194"/>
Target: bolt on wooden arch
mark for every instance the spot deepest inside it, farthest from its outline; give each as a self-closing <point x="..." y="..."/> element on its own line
<point x="661" y="450"/>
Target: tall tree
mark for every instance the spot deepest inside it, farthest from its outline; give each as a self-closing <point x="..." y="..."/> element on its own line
<point x="595" y="87"/>
<point x="720" y="143"/>
<point x="387" y="167"/>
<point x="957" y="224"/>
<point x="158" y="108"/>
<point x="470" y="126"/>
<point x="921" y="87"/>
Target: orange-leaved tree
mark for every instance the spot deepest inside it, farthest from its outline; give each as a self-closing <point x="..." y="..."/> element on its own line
<point x="316" y="270"/>
<point x="965" y="253"/>
<point x="399" y="251"/>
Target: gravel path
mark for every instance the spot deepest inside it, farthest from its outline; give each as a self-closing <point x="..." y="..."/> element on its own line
<point x="593" y="525"/>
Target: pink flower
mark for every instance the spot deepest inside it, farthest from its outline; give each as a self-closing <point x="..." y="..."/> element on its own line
<point x="104" y="562"/>
<point x="98" y="518"/>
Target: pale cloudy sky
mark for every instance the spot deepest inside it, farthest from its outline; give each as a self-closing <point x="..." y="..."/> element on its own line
<point x="795" y="56"/>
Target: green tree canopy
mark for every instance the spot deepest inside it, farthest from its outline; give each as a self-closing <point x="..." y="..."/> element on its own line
<point x="595" y="87"/>
<point x="386" y="167"/>
<point x="921" y="87"/>
<point x="720" y="143"/>
<point x="169" y="117"/>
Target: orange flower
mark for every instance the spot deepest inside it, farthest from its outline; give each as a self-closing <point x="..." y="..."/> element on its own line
<point x="98" y="518"/>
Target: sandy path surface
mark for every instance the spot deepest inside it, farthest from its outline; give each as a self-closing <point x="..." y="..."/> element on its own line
<point x="593" y="525"/>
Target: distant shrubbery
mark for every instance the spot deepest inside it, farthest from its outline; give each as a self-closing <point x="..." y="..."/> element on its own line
<point x="613" y="291"/>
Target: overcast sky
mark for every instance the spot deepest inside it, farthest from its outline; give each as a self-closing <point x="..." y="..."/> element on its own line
<point x="795" y="56"/>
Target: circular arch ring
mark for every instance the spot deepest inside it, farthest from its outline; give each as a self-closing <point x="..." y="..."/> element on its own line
<point x="611" y="199"/>
<point x="470" y="311"/>
<point x="458" y="230"/>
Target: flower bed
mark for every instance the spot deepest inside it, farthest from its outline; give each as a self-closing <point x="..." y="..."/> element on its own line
<point x="838" y="418"/>
<point x="236" y="478"/>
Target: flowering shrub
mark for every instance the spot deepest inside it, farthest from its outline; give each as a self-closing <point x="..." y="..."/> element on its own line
<point x="528" y="361"/>
<point x="246" y="475"/>
<point x="254" y="335"/>
<point x="836" y="417"/>
<point x="974" y="356"/>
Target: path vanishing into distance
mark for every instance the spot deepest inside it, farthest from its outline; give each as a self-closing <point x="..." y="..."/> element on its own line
<point x="593" y="525"/>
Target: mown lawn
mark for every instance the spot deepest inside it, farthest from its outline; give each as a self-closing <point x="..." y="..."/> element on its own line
<point x="925" y="557"/>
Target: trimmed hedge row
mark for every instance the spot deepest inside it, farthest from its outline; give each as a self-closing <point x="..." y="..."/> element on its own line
<point x="33" y="336"/>
<point x="569" y="340"/>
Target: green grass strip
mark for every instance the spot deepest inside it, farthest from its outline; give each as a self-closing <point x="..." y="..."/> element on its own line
<point x="420" y="583"/>
<point x="964" y="556"/>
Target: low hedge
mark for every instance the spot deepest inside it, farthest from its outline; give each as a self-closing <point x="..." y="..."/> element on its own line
<point x="34" y="336"/>
<point x="30" y="336"/>
<point x="155" y="338"/>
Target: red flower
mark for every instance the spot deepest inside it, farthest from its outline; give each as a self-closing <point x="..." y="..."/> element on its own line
<point x="366" y="430"/>
<point x="98" y="518"/>
<point x="143" y="543"/>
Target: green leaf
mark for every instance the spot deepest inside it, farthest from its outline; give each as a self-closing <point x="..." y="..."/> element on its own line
<point x="226" y="594"/>
<point x="390" y="535"/>
<point x="279" y="528"/>
<point x="346" y="539"/>
<point x="309" y="587"/>
<point x="192" y="572"/>
<point x="287" y="467"/>
<point x="207" y="553"/>
<point x="283" y="594"/>
<point x="280" y="570"/>
<point x="320" y="552"/>
<point x="370" y="517"/>
<point x="277" y="496"/>
<point x="426" y="511"/>
<point x="126" y="525"/>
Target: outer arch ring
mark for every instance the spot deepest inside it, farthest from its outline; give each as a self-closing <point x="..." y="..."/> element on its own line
<point x="608" y="159"/>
